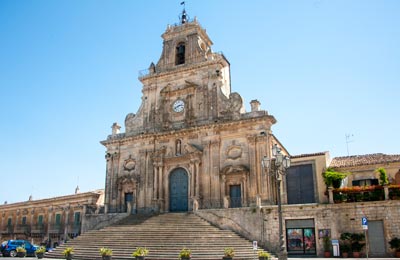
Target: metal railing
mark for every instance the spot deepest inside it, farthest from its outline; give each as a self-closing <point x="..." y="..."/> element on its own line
<point x="56" y="228"/>
<point x="23" y="228"/>
<point x="7" y="229"/>
<point x="38" y="228"/>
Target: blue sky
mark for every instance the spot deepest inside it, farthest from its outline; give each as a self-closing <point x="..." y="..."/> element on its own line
<point x="69" y="68"/>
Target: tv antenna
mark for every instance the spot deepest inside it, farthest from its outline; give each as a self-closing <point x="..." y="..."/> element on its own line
<point x="349" y="139"/>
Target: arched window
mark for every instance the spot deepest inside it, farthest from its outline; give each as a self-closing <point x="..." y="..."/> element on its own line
<point x="180" y="54"/>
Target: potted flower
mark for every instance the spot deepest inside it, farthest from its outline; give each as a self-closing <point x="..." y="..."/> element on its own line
<point x="395" y="244"/>
<point x="185" y="254"/>
<point x="229" y="253"/>
<point x="68" y="253"/>
<point x="357" y="243"/>
<point x="344" y="249"/>
<point x="40" y="252"/>
<point x="263" y="255"/>
<point x="345" y="243"/>
<point x="21" y="251"/>
<point x="140" y="253"/>
<point x="326" y="240"/>
<point x="106" y="253"/>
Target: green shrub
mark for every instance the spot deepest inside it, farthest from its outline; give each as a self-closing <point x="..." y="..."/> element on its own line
<point x="140" y="251"/>
<point x="333" y="178"/>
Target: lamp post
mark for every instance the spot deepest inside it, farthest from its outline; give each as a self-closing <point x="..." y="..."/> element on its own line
<point x="276" y="166"/>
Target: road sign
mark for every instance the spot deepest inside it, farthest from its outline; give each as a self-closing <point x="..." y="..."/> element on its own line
<point x="364" y="223"/>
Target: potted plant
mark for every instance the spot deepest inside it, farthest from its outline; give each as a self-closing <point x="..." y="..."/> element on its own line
<point x="21" y="251"/>
<point x="395" y="244"/>
<point x="344" y="249"/>
<point x="263" y="255"/>
<point x="357" y="243"/>
<point x="140" y="253"/>
<point x="326" y="240"/>
<point x="229" y="253"/>
<point x="40" y="252"/>
<point x="185" y="254"/>
<point x="106" y="253"/>
<point x="333" y="178"/>
<point x="68" y="253"/>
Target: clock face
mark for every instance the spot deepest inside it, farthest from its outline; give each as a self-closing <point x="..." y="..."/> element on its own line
<point x="178" y="105"/>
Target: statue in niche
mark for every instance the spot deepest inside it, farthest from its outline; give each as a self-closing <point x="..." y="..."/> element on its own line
<point x="178" y="148"/>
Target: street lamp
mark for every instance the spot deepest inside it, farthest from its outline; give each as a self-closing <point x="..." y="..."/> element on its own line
<point x="276" y="166"/>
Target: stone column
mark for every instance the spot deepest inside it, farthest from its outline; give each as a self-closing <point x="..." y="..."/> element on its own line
<point x="254" y="176"/>
<point x="192" y="190"/>
<point x="160" y="182"/>
<point x="330" y="194"/>
<point x="49" y="219"/>
<point x="197" y="169"/>
<point x="66" y="222"/>
<point x="386" y="190"/>
<point x="107" y="191"/>
<point x="155" y="181"/>
<point x="16" y="221"/>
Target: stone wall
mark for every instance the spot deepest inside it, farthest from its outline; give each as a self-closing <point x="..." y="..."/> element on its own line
<point x="98" y="221"/>
<point x="261" y="224"/>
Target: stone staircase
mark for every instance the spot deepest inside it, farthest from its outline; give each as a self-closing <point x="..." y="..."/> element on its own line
<point x="164" y="235"/>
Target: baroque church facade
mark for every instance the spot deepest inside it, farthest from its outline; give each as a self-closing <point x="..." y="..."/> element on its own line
<point x="191" y="144"/>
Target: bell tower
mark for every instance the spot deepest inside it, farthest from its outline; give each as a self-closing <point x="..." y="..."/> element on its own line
<point x="188" y="86"/>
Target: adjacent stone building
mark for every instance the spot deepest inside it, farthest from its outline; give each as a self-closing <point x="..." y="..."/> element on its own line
<point x="364" y="168"/>
<point x="51" y="220"/>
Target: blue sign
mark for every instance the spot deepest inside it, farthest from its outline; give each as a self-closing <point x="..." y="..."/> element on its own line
<point x="364" y="222"/>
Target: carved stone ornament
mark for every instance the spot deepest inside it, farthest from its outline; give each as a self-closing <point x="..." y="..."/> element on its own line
<point x="234" y="152"/>
<point x="235" y="169"/>
<point x="129" y="164"/>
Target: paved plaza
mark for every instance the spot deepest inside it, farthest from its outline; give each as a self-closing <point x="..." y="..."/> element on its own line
<point x="290" y="258"/>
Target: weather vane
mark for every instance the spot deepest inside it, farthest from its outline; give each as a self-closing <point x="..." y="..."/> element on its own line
<point x="183" y="15"/>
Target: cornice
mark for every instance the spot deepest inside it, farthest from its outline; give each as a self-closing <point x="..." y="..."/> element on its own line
<point x="184" y="68"/>
<point x="74" y="198"/>
<point x="191" y="130"/>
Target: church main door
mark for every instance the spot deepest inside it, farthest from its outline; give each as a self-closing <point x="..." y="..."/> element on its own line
<point x="178" y="190"/>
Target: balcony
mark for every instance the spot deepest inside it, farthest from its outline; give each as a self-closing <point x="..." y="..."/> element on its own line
<point x="365" y="193"/>
<point x="56" y="229"/>
<point x="22" y="229"/>
<point x="7" y="229"/>
<point x="38" y="229"/>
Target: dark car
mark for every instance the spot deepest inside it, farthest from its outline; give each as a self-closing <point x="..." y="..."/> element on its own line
<point x="9" y="247"/>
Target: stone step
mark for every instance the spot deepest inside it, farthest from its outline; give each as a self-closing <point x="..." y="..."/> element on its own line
<point x="164" y="235"/>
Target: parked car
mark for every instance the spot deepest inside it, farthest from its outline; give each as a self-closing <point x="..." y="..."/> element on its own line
<point x="9" y="247"/>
